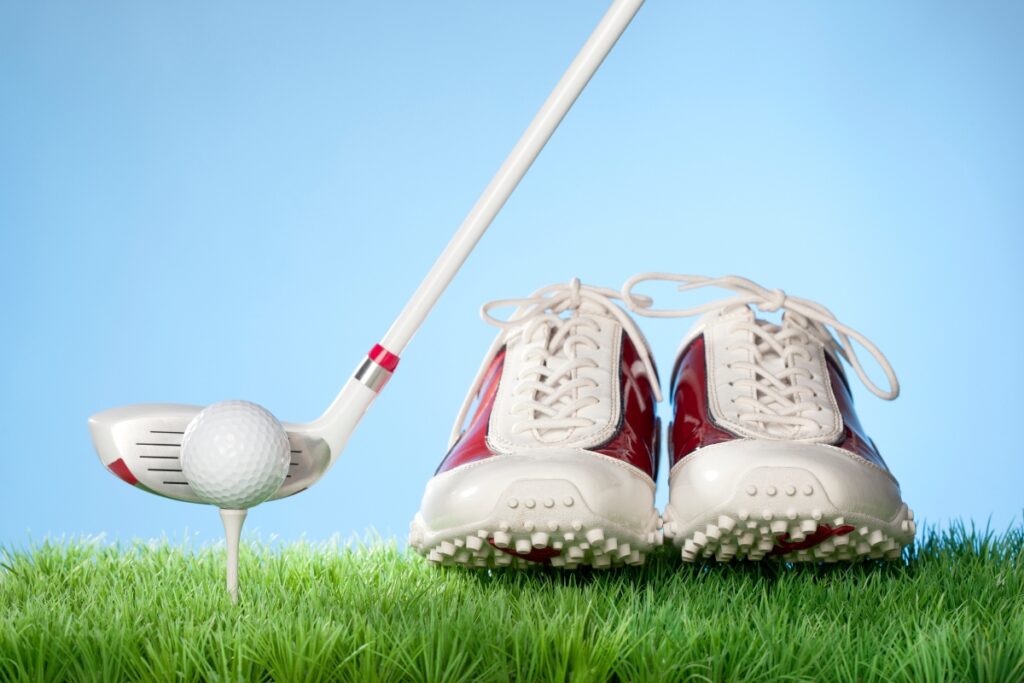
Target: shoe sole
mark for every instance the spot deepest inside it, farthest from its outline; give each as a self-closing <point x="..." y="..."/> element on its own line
<point x="794" y="502"/>
<point x="560" y="508"/>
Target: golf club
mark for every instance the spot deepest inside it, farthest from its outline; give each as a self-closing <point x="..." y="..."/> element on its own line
<point x="141" y="444"/>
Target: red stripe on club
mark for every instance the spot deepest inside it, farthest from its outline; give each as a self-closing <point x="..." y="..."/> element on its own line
<point x="121" y="470"/>
<point x="384" y="358"/>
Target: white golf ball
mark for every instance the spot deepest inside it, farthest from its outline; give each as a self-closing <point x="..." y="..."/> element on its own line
<point x="235" y="454"/>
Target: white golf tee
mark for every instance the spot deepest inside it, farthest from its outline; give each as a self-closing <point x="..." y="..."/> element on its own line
<point x="233" y="521"/>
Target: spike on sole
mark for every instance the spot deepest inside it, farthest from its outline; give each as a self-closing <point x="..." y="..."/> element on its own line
<point x="521" y="549"/>
<point x="801" y="540"/>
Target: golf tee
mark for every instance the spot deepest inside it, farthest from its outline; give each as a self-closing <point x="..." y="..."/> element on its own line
<point x="233" y="521"/>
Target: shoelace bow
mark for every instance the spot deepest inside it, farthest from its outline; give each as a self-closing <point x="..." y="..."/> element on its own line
<point x="778" y="399"/>
<point x="548" y="385"/>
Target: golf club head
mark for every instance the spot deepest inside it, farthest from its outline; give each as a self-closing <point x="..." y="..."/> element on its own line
<point x="141" y="445"/>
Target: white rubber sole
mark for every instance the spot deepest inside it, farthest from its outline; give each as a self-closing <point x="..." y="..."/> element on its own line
<point x="565" y="508"/>
<point x="797" y="502"/>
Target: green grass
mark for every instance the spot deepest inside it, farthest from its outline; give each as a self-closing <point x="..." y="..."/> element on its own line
<point x="80" y="611"/>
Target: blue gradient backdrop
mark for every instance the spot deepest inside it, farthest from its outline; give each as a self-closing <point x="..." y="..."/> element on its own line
<point x="232" y="200"/>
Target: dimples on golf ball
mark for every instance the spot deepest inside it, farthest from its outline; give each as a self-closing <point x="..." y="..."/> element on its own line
<point x="235" y="454"/>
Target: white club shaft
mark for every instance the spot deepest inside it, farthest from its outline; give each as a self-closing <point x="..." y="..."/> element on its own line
<point x="340" y="419"/>
<point x="575" y="79"/>
<point x="233" y="521"/>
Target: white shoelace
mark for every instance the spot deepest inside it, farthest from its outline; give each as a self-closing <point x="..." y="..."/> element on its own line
<point x="778" y="400"/>
<point x="548" y="386"/>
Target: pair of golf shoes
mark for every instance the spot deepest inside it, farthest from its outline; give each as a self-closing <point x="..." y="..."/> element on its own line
<point x="554" y="456"/>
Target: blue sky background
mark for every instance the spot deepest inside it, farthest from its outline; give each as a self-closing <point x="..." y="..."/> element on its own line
<point x="232" y="200"/>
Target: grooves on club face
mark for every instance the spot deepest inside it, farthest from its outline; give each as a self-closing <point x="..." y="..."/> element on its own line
<point x="141" y="445"/>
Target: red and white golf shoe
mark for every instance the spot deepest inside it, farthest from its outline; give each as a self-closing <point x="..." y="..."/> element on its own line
<point x="768" y="457"/>
<point x="557" y="463"/>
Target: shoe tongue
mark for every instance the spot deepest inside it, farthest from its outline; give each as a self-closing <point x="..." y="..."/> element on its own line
<point x="558" y="357"/>
<point x="769" y="360"/>
<point x="731" y="312"/>
<point x="588" y="306"/>
<point x="542" y="335"/>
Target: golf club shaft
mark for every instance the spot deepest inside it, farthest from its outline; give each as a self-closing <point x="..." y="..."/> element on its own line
<point x="340" y="419"/>
<point x="518" y="162"/>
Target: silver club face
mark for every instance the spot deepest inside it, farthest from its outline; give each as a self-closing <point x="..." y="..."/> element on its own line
<point x="141" y="445"/>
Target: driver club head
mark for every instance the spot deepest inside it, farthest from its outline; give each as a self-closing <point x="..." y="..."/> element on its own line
<point x="141" y="445"/>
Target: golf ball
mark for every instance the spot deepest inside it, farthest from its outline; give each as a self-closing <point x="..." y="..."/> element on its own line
<point x="235" y="454"/>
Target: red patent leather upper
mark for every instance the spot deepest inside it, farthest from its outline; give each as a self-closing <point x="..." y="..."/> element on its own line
<point x="472" y="444"/>
<point x="693" y="427"/>
<point x="634" y="442"/>
<point x="854" y="438"/>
